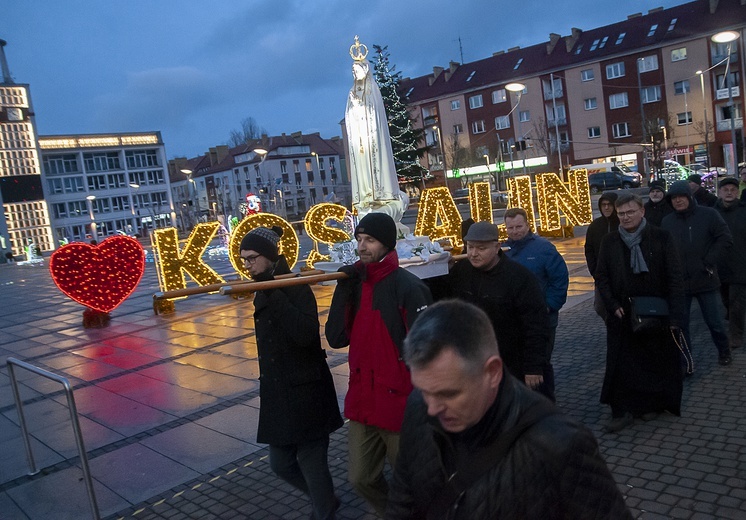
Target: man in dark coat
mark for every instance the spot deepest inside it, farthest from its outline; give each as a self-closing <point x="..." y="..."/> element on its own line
<point x="732" y="268"/>
<point x="599" y="228"/>
<point x="464" y="407"/>
<point x="657" y="206"/>
<point x="298" y="407"/>
<point x="702" y="238"/>
<point x="371" y="311"/>
<point x="511" y="296"/>
<point x="643" y="371"/>
<point x="699" y="192"/>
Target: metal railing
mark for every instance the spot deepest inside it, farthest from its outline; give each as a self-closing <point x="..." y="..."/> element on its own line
<point x="11" y="363"/>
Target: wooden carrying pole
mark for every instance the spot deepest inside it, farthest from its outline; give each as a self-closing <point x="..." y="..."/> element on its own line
<point x="216" y="287"/>
<point x="280" y="283"/>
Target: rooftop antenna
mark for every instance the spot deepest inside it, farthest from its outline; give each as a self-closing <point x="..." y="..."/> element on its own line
<point x="4" y="63"/>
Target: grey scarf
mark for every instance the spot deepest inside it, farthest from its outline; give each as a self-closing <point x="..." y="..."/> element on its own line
<point x="632" y="241"/>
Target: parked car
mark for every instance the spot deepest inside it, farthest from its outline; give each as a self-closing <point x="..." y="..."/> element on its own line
<point x="602" y="181"/>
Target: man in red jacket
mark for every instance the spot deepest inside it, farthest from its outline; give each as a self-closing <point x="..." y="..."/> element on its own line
<point x="371" y="311"/>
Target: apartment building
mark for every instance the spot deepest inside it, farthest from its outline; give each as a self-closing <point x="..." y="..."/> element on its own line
<point x="652" y="86"/>
<point x="24" y="216"/>
<point x="289" y="173"/>
<point x="97" y="185"/>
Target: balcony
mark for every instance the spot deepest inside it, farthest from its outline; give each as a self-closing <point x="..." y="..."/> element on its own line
<point x="724" y="125"/>
<point x="558" y="93"/>
<point x="560" y="121"/>
<point x="564" y="147"/>
<point x="722" y="93"/>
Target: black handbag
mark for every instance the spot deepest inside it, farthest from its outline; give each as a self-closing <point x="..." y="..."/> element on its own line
<point x="648" y="314"/>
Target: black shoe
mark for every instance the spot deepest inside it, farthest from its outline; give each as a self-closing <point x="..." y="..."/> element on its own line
<point x="725" y="360"/>
<point x="618" y="423"/>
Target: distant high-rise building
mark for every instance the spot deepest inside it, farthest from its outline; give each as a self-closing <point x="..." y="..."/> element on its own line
<point x="23" y="210"/>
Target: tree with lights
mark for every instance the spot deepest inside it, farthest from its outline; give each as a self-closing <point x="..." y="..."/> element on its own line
<point x="404" y="136"/>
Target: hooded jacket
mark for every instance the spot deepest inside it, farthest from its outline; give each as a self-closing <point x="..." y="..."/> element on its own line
<point x="598" y="229"/>
<point x="372" y="311"/>
<point x="701" y="237"/>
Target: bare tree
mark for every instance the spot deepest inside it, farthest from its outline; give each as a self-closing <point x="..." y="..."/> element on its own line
<point x="249" y="130"/>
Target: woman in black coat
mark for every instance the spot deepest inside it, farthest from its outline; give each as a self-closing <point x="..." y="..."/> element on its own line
<point x="298" y="407"/>
<point x="643" y="371"/>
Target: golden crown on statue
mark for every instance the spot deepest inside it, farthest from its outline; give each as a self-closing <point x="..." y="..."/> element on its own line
<point x="358" y="51"/>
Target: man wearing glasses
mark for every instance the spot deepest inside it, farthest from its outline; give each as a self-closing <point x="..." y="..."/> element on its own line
<point x="298" y="407"/>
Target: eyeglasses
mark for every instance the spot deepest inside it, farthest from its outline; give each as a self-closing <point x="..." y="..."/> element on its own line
<point x="250" y="260"/>
<point x="625" y="214"/>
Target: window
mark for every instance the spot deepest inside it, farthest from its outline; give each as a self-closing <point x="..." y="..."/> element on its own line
<point x="679" y="87"/>
<point x="684" y="118"/>
<point x="73" y="184"/>
<point x="471" y="75"/>
<point x="116" y="180"/>
<point x="101" y="161"/>
<point x="620" y="130"/>
<point x="475" y="101"/>
<point x="97" y="182"/>
<point x="55" y="185"/>
<point x="594" y="45"/>
<point x="603" y="42"/>
<point x="672" y="25"/>
<point x="590" y="103"/>
<point x="58" y="164"/>
<point x="518" y="64"/>
<point x="120" y="203"/>
<point x="141" y="158"/>
<point x="76" y="208"/>
<point x="455" y="104"/>
<point x="501" y="122"/>
<point x="650" y="94"/>
<point x="60" y="210"/>
<point x="652" y="30"/>
<point x="579" y="49"/>
<point x="155" y="177"/>
<point x="586" y="75"/>
<point x="615" y="70"/>
<point x="620" y="39"/>
<point x="477" y="127"/>
<point x="524" y="115"/>
<point x="499" y="96"/>
<point x="458" y="129"/>
<point x="594" y="131"/>
<point x="678" y="54"/>
<point x="618" y="100"/>
<point x="647" y="63"/>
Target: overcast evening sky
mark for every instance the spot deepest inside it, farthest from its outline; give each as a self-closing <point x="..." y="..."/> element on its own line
<point x="193" y="69"/>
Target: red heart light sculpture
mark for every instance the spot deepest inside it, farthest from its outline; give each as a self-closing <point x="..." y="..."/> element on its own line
<point x="100" y="277"/>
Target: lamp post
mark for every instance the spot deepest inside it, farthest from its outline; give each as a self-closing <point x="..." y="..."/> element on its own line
<point x="701" y="75"/>
<point x="262" y="153"/>
<point x="94" y="232"/>
<point x="487" y="162"/>
<point x="729" y="37"/>
<point x="642" y="118"/>
<point x="518" y="88"/>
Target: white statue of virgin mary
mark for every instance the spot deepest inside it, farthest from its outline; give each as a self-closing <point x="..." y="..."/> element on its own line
<point x="375" y="187"/>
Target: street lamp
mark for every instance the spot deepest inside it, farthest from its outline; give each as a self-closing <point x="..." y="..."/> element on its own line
<point x="729" y="37"/>
<point x="94" y="232"/>
<point x="518" y="88"/>
<point x="487" y="161"/>
<point x="701" y="75"/>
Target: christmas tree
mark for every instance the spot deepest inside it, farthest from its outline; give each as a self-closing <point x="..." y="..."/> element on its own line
<point x="404" y="136"/>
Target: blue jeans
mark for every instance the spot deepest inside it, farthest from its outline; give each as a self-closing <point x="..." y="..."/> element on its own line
<point x="709" y="304"/>
<point x="305" y="467"/>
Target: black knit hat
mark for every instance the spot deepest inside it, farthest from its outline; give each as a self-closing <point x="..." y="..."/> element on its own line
<point x="696" y="178"/>
<point x="728" y="180"/>
<point x="263" y="241"/>
<point x="380" y="226"/>
<point x="657" y="185"/>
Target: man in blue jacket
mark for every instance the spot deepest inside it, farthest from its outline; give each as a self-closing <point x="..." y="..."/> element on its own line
<point x="702" y="239"/>
<point x="541" y="258"/>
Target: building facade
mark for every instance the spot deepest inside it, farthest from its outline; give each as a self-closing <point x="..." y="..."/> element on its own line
<point x="289" y="174"/>
<point x="654" y="86"/>
<point x="99" y="185"/>
<point x="24" y="216"/>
